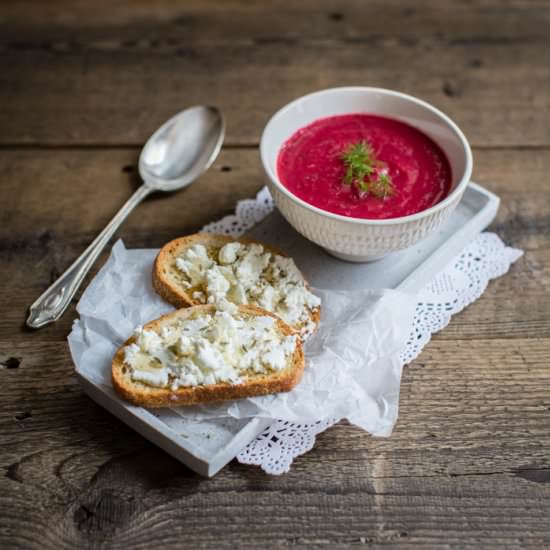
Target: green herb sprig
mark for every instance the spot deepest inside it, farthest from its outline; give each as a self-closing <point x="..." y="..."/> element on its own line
<point x="360" y="164"/>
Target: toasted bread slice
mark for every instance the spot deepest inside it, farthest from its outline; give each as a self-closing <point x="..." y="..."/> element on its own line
<point x="253" y="384"/>
<point x="168" y="280"/>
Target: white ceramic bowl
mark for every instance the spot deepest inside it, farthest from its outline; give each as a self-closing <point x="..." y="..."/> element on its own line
<point x="357" y="239"/>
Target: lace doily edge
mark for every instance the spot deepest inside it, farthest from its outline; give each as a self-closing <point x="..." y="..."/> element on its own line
<point x="269" y="451"/>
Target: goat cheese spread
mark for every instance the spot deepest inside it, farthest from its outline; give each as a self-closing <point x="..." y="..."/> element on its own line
<point x="248" y="274"/>
<point x="224" y="346"/>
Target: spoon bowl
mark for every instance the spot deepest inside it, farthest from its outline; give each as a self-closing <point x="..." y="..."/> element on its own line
<point x="182" y="148"/>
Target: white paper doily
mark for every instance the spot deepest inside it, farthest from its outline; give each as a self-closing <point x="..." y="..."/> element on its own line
<point x="462" y="282"/>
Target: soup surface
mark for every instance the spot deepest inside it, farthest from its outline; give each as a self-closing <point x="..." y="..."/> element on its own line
<point x="314" y="162"/>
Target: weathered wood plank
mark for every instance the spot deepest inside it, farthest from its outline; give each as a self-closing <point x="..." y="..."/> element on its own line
<point x="121" y="96"/>
<point x="256" y="518"/>
<point x="469" y="451"/>
<point x="142" y="24"/>
<point x="39" y="239"/>
<point x="466" y="399"/>
<point x="99" y="71"/>
<point x="85" y="187"/>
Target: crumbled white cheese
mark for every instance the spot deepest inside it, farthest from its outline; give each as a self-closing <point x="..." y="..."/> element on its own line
<point x="228" y="253"/>
<point x="286" y="269"/>
<point x="166" y="332"/>
<point x="193" y="327"/>
<point x="224" y="305"/>
<point x="226" y="346"/>
<point x="217" y="285"/>
<point x="275" y="358"/>
<point x="199" y="296"/>
<point x="249" y="274"/>
<point x="185" y="345"/>
<point x="194" y="263"/>
<point x="250" y="267"/>
<point x="130" y="353"/>
<point x="268" y="298"/>
<point x="158" y="378"/>
<point x="237" y="294"/>
<point x="148" y="340"/>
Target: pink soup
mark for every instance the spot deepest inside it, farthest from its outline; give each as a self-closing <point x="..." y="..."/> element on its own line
<point x="310" y="166"/>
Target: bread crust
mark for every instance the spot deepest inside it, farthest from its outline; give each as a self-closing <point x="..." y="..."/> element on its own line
<point x="175" y="294"/>
<point x="148" y="396"/>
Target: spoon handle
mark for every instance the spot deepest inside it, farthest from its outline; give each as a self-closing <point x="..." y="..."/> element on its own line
<point x="54" y="301"/>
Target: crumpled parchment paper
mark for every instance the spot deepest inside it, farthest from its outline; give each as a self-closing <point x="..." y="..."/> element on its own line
<point x="352" y="365"/>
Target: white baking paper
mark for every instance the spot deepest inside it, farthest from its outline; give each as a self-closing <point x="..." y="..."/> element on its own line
<point x="352" y="366"/>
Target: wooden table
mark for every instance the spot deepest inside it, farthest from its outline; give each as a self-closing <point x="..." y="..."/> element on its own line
<point x="82" y="86"/>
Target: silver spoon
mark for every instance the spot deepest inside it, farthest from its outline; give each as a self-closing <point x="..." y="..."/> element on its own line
<point x="173" y="157"/>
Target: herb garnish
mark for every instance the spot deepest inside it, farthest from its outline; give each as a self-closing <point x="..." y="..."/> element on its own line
<point x="364" y="172"/>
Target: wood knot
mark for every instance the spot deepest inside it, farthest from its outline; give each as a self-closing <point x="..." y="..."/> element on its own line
<point x="105" y="513"/>
<point x="45" y="238"/>
<point x="449" y="89"/>
<point x="11" y="363"/>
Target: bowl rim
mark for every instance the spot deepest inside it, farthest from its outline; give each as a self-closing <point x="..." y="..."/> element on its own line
<point x="448" y="200"/>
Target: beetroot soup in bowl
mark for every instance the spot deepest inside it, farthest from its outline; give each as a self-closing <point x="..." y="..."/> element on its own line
<point x="364" y="171"/>
<point x="364" y="166"/>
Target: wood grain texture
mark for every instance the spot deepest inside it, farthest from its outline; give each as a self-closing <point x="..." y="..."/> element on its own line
<point x="120" y="78"/>
<point x="245" y="21"/>
<point x="83" y="84"/>
<point x="471" y="443"/>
